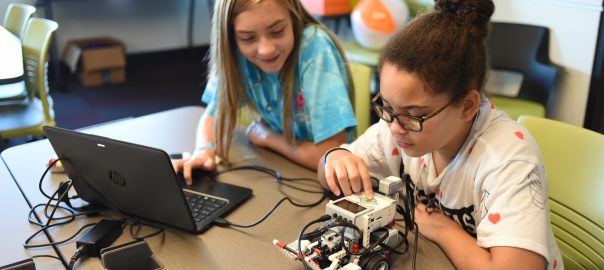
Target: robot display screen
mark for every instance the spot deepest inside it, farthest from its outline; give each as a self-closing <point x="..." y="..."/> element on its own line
<point x="350" y="206"/>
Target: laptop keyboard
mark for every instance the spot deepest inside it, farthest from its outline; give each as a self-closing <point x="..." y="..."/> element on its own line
<point x="203" y="206"/>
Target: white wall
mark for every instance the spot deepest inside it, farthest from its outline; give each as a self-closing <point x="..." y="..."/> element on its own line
<point x="143" y="25"/>
<point x="573" y="28"/>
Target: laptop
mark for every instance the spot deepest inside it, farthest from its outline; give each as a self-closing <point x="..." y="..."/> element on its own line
<point x="140" y="181"/>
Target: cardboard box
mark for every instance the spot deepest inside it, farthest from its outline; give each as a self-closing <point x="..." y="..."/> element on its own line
<point x="97" y="60"/>
<point x="327" y="7"/>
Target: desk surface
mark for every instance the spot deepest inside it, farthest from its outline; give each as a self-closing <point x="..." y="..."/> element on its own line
<point x="174" y="131"/>
<point x="14" y="228"/>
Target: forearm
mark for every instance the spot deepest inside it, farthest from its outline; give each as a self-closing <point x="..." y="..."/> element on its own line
<point x="205" y="131"/>
<point x="463" y="250"/>
<point x="304" y="153"/>
<point x="465" y="253"/>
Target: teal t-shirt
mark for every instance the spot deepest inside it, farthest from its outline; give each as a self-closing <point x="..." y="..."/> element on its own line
<point x="321" y="106"/>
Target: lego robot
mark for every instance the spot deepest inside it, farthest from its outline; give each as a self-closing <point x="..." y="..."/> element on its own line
<point x="356" y="233"/>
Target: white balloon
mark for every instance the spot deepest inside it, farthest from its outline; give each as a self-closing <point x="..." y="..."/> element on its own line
<point x="372" y="38"/>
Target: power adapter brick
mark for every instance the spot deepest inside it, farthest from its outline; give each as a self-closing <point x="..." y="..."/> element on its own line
<point x="100" y="236"/>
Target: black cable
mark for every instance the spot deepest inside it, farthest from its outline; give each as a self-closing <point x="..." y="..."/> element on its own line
<point x="415" y="244"/>
<point x="47" y="225"/>
<point x="26" y="245"/>
<point x="225" y="223"/>
<point x="76" y="256"/>
<point x="44" y="175"/>
<point x="61" y="195"/>
<point x="50" y="218"/>
<point x="323" y="218"/>
<point x="279" y="179"/>
<point x="46" y="256"/>
<point x="70" y="217"/>
<point x="132" y="223"/>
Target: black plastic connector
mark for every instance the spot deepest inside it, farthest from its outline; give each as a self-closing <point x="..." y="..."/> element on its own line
<point x="99" y="237"/>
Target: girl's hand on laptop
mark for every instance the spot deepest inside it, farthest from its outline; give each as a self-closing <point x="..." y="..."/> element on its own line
<point x="201" y="159"/>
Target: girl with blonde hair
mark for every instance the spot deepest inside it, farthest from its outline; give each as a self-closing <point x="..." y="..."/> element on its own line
<point x="276" y="58"/>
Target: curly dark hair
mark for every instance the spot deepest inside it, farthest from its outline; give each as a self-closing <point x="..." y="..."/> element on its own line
<point x="445" y="47"/>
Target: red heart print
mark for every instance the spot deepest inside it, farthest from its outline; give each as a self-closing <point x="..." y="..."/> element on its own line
<point x="440" y="194"/>
<point x="395" y="152"/>
<point x="555" y="263"/>
<point x="494" y="218"/>
<point x="520" y="135"/>
<point x="492" y="106"/>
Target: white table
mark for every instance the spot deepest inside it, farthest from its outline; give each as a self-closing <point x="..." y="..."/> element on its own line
<point x="14" y="228"/>
<point x="11" y="66"/>
<point x="217" y="248"/>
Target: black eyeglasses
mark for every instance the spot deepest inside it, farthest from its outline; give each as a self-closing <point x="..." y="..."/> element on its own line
<point x="406" y="121"/>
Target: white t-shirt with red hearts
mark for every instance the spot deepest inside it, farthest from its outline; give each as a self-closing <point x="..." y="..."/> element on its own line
<point x="495" y="187"/>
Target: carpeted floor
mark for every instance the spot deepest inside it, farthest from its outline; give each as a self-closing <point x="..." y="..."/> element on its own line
<point x="154" y="82"/>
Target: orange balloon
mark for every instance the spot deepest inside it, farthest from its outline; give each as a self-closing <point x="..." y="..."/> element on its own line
<point x="376" y="16"/>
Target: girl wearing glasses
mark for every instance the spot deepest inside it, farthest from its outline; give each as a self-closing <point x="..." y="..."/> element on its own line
<point x="273" y="56"/>
<point x="477" y="175"/>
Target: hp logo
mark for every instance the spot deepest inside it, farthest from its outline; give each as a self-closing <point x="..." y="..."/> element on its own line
<point x="117" y="178"/>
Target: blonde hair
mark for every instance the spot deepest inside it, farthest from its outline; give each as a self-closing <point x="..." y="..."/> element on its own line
<point x="225" y="68"/>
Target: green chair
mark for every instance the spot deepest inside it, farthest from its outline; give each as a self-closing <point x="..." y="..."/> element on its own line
<point x="515" y="107"/>
<point x="16" y="18"/>
<point x="361" y="78"/>
<point x="524" y="49"/>
<point x="574" y="159"/>
<point x="26" y="118"/>
<point x="358" y="54"/>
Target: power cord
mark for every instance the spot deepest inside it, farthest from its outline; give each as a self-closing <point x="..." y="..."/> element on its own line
<point x="89" y="244"/>
<point x="76" y="256"/>
<point x="98" y="237"/>
<point x="46" y="256"/>
<point x="135" y="226"/>
<point x="225" y="223"/>
<point x="50" y="218"/>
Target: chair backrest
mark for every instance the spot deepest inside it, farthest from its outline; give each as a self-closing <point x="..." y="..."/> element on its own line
<point x="36" y="41"/>
<point x="361" y="78"/>
<point x="525" y="49"/>
<point x="574" y="162"/>
<point x="16" y="18"/>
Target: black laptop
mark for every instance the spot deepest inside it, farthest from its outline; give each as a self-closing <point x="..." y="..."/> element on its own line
<point x="140" y="181"/>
